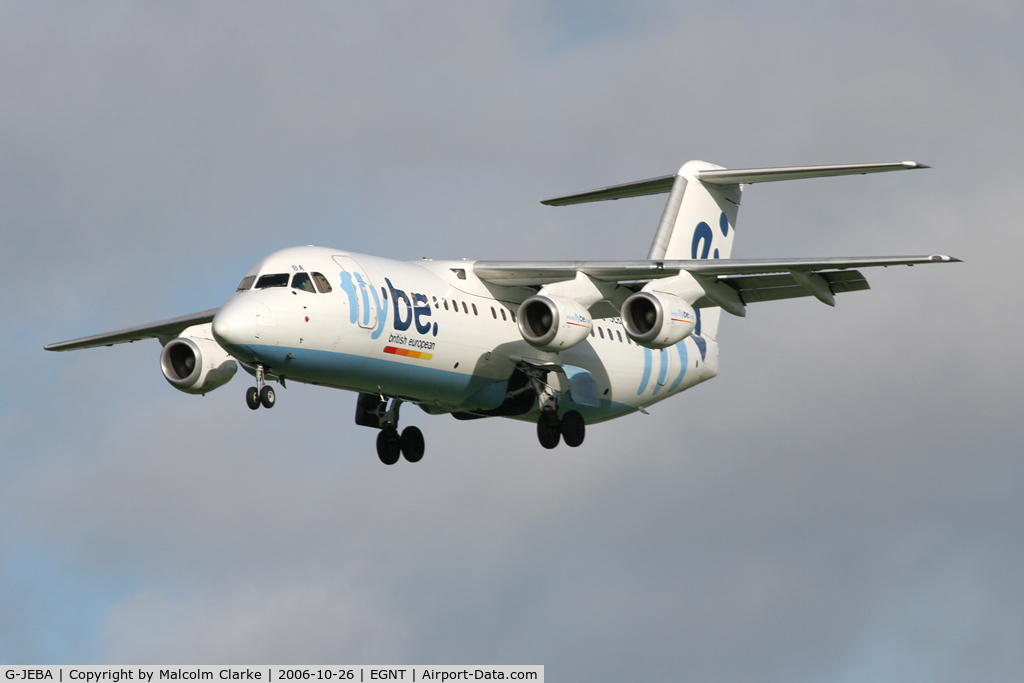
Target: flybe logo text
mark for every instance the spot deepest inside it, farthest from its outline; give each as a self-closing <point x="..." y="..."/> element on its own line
<point x="410" y="310"/>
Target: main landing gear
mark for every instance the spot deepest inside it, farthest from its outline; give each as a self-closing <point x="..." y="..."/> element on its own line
<point x="262" y="394"/>
<point x="375" y="411"/>
<point x="550" y="429"/>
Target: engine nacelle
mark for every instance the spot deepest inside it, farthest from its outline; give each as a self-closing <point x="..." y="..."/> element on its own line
<point x="553" y="324"/>
<point x="657" y="320"/>
<point x="196" y="365"/>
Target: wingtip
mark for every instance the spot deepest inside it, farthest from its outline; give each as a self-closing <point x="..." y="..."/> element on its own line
<point x="914" y="164"/>
<point x="943" y="258"/>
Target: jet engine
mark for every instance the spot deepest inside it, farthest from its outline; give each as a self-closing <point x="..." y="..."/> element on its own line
<point x="657" y="320"/>
<point x="196" y="365"/>
<point x="552" y="323"/>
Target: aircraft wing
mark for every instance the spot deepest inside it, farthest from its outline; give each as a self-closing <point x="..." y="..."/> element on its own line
<point x="518" y="273"/>
<point x="164" y="330"/>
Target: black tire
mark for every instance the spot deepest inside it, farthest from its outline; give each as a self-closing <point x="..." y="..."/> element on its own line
<point x="413" y="444"/>
<point x="267" y="396"/>
<point x="389" y="446"/>
<point x="252" y="397"/>
<point x="547" y="430"/>
<point x="573" y="429"/>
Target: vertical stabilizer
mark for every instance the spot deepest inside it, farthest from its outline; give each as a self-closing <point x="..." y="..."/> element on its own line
<point x="698" y="223"/>
<point x="700" y="217"/>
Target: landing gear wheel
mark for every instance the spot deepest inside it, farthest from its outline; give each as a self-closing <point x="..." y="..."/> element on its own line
<point x="252" y="397"/>
<point x="573" y="429"/>
<point x="547" y="430"/>
<point x="267" y="397"/>
<point x="412" y="444"/>
<point x="389" y="446"/>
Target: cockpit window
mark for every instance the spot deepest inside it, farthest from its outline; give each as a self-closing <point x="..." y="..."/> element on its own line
<point x="302" y="281"/>
<point x="278" y="280"/>
<point x="321" y="283"/>
<point x="246" y="283"/>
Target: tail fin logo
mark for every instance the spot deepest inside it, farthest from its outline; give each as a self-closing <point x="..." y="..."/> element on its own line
<point x="704" y="237"/>
<point x="700" y="248"/>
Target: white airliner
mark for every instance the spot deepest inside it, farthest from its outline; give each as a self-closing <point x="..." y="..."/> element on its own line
<point x="563" y="344"/>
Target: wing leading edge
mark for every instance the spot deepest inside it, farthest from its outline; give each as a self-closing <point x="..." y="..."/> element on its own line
<point x="519" y="273"/>
<point x="164" y="330"/>
<point x="729" y="283"/>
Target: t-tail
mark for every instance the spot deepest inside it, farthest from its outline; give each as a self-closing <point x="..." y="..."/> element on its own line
<point x="699" y="220"/>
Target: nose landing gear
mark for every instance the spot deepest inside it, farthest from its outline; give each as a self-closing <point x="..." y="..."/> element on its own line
<point x="375" y="411"/>
<point x="262" y="393"/>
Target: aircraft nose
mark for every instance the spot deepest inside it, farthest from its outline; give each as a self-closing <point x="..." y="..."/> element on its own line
<point x="234" y="324"/>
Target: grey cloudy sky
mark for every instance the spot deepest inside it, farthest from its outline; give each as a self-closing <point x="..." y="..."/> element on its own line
<point x="841" y="504"/>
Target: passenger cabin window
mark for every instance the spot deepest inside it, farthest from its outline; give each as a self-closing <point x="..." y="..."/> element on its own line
<point x="494" y="313"/>
<point x="464" y="309"/>
<point x="436" y="305"/>
<point x="503" y="314"/>
<point x="278" y="280"/>
<point x="246" y="283"/>
<point x="474" y="310"/>
<point x="302" y="281"/>
<point x="600" y="332"/>
<point x="618" y="334"/>
<point x="321" y="283"/>
<point x="384" y="293"/>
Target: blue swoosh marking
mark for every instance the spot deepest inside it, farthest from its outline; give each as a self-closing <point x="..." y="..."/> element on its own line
<point x="647" y="372"/>
<point x="683" y="364"/>
<point x="702" y="346"/>
<point x="663" y="372"/>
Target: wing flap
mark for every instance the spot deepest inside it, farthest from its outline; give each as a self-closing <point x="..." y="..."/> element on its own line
<point x="760" y="288"/>
<point x="164" y="330"/>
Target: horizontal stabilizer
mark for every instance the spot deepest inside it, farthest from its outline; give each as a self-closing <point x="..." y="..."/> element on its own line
<point x="727" y="176"/>
<point x="164" y="330"/>
<point x="734" y="176"/>
<point x="639" y="188"/>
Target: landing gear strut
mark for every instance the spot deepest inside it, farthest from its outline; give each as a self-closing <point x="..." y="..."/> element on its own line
<point x="378" y="411"/>
<point x="261" y="394"/>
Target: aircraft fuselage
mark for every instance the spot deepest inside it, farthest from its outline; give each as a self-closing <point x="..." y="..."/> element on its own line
<point x="429" y="332"/>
